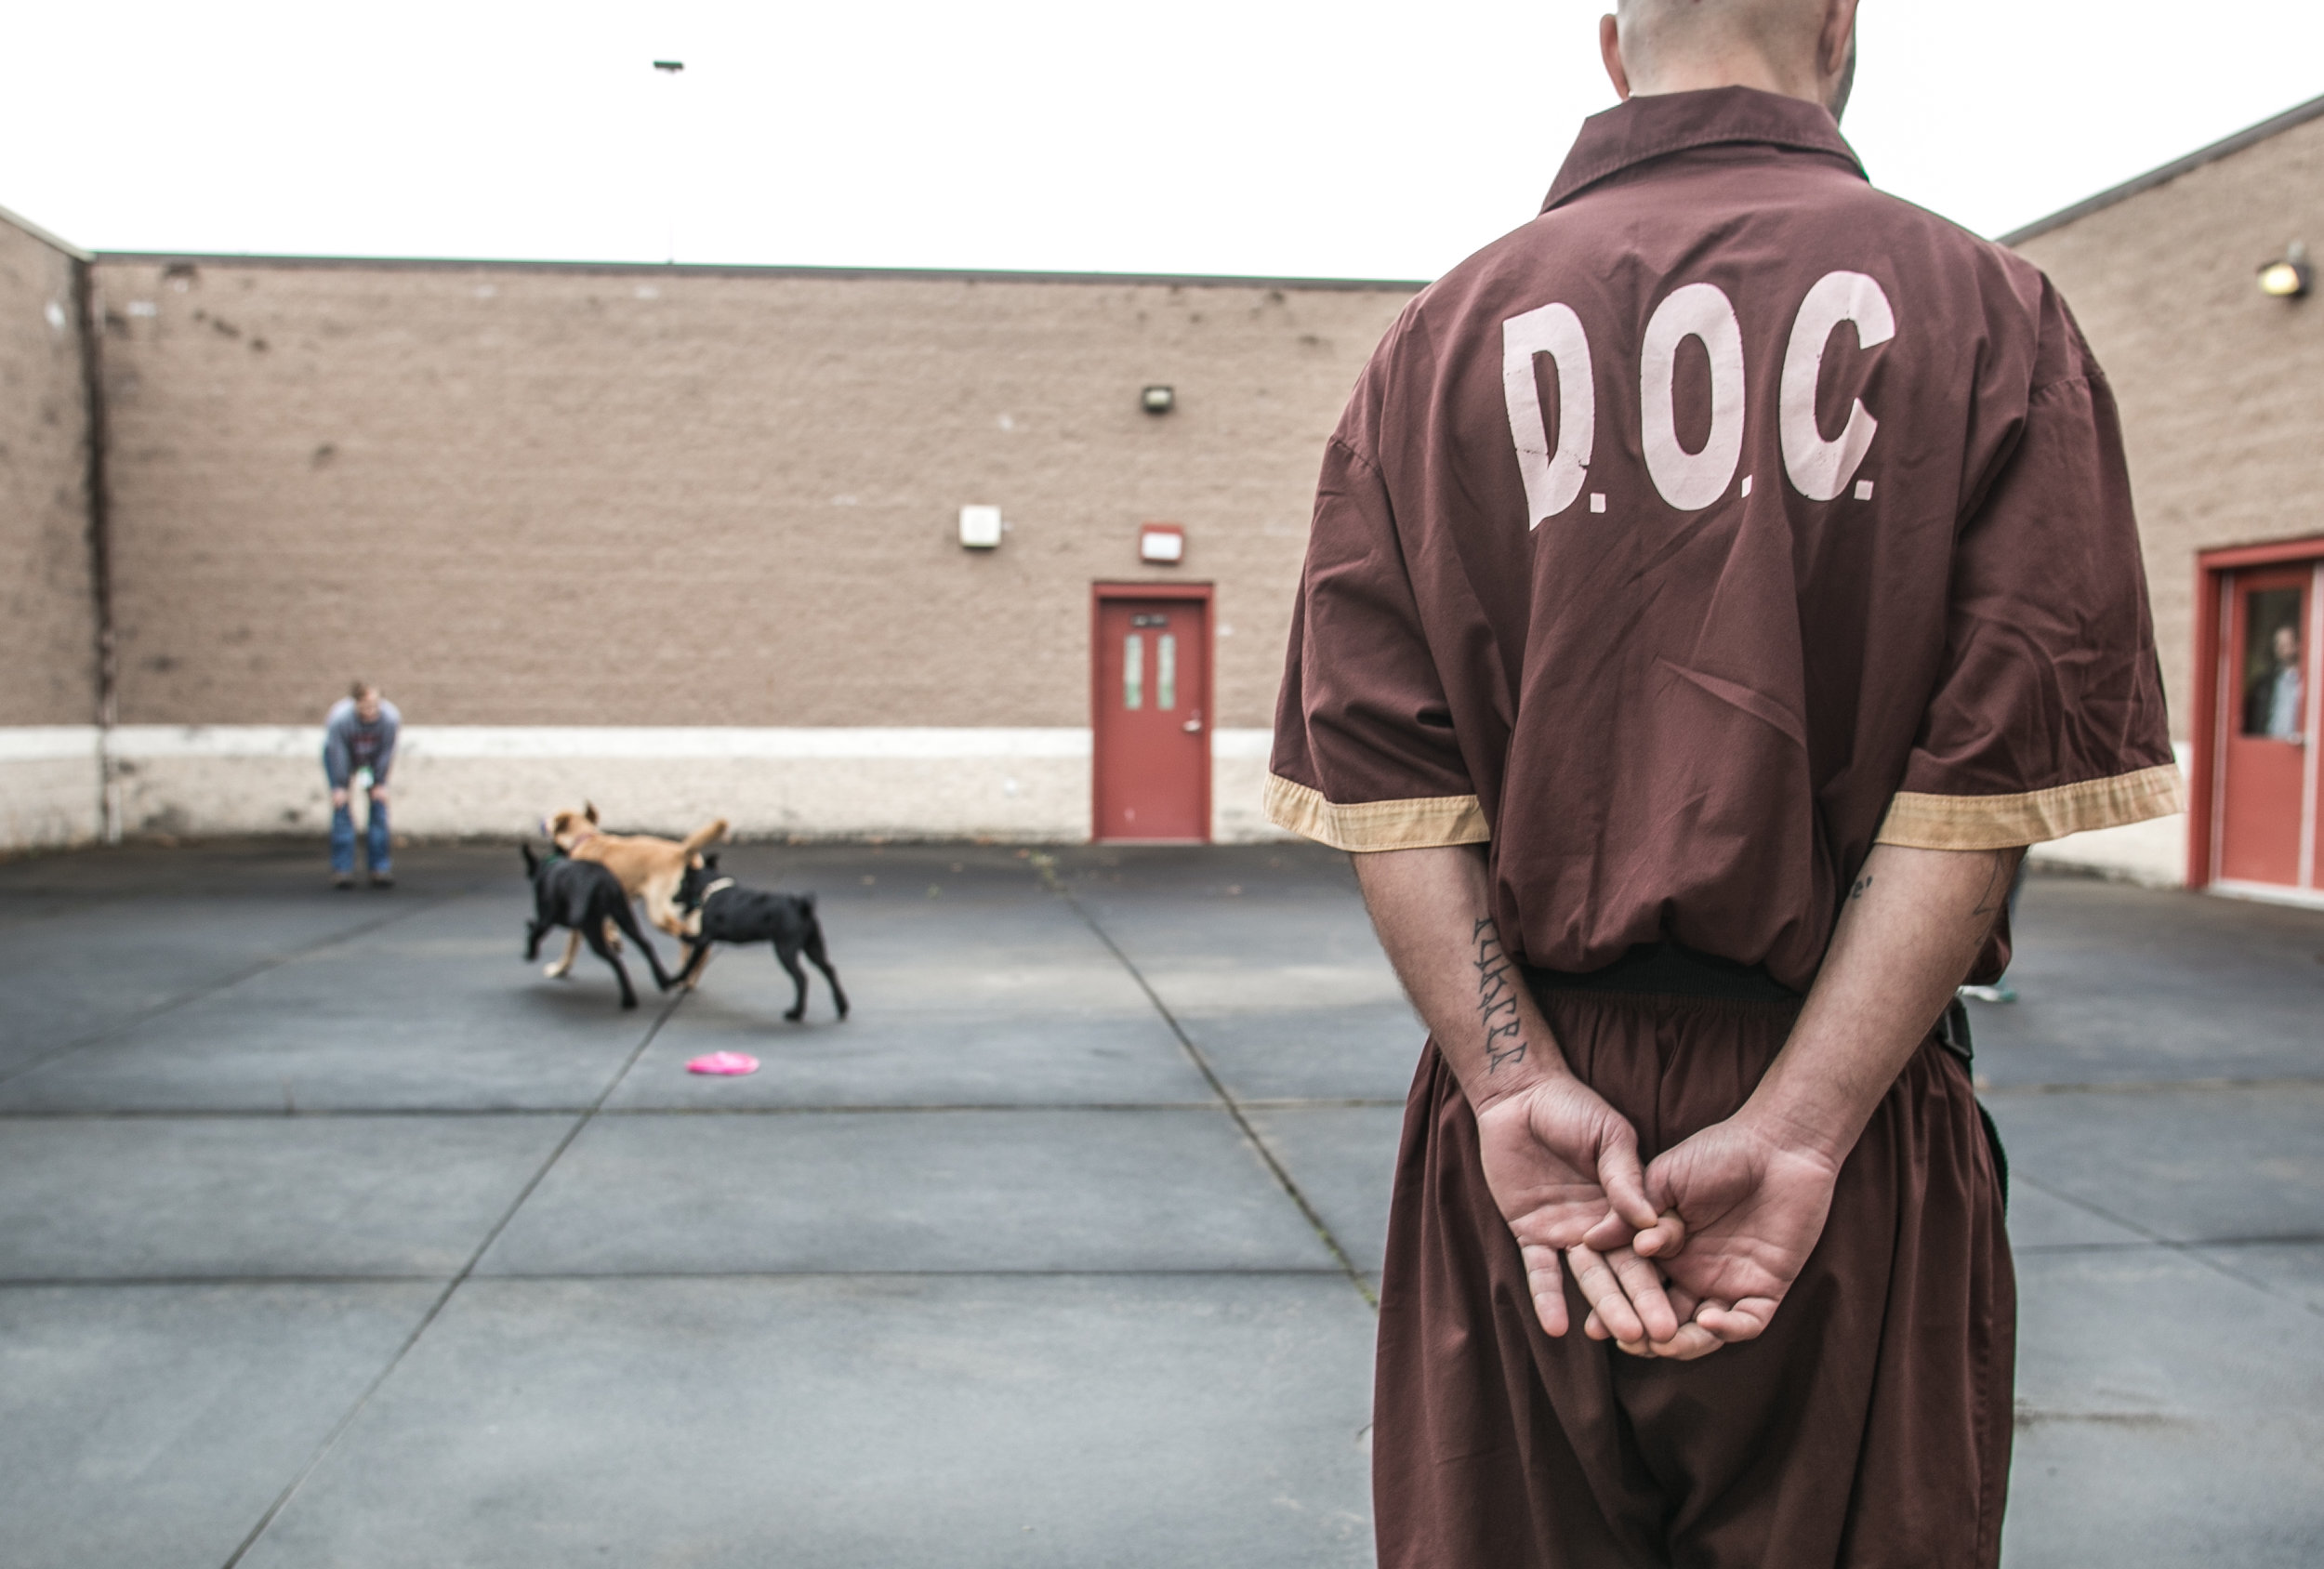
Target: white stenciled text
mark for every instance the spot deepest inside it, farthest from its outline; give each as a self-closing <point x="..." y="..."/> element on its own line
<point x="1821" y="467"/>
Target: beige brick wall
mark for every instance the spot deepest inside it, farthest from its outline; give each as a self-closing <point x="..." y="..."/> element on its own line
<point x="2222" y="389"/>
<point x="655" y="496"/>
<point x="49" y="776"/>
<point x="47" y="632"/>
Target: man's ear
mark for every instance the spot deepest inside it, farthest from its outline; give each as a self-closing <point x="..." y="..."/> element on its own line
<point x="1836" y="54"/>
<point x="1610" y="50"/>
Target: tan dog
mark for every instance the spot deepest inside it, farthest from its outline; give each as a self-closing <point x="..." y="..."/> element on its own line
<point x="648" y="867"/>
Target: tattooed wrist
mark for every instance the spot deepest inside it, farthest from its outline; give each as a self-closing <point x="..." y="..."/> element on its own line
<point x="1505" y="1043"/>
<point x="2000" y="873"/>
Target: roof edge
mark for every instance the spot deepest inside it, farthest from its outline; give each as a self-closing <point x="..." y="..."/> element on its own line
<point x="2250" y="135"/>
<point x="737" y="270"/>
<point x="43" y="236"/>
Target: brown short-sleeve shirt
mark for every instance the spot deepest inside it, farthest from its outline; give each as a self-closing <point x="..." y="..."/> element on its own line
<point x="1727" y="517"/>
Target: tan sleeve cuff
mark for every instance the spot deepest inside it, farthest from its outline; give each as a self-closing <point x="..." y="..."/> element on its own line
<point x="2006" y="821"/>
<point x="1422" y="823"/>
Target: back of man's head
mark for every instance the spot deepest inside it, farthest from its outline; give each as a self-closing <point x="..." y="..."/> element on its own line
<point x="1804" y="48"/>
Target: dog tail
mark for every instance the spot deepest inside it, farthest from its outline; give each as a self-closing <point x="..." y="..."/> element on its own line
<point x="710" y="833"/>
<point x="531" y="866"/>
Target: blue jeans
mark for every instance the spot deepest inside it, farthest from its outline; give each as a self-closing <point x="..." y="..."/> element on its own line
<point x="375" y="852"/>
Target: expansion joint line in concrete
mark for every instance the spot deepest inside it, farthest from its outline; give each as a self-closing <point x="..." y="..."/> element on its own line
<point x="2195" y="1250"/>
<point x="1045" y="868"/>
<point x="2153" y="1086"/>
<point x="443" y="1298"/>
<point x="248" y="973"/>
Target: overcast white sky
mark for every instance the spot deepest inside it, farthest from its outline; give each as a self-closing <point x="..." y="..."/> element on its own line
<point x="1265" y="137"/>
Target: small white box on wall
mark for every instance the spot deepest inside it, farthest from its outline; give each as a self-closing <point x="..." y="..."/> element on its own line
<point x="980" y="528"/>
<point x="1161" y="542"/>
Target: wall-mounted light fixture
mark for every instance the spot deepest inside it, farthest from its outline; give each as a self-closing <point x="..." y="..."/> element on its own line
<point x="2289" y="277"/>
<point x="1161" y="544"/>
<point x="980" y="528"/>
<point x="1158" y="400"/>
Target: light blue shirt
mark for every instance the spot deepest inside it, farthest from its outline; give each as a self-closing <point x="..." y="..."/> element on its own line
<point x="2284" y="704"/>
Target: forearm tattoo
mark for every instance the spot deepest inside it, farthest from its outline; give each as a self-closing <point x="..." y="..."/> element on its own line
<point x="1996" y="881"/>
<point x="1496" y="997"/>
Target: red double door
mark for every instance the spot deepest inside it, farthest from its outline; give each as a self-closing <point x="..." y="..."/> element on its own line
<point x="2264" y="744"/>
<point x="1150" y="712"/>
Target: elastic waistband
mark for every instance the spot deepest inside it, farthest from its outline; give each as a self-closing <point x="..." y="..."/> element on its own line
<point x="1670" y="969"/>
<point x="1673" y="970"/>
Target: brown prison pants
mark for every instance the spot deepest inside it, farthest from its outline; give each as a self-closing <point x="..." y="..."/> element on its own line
<point x="1870" y="1426"/>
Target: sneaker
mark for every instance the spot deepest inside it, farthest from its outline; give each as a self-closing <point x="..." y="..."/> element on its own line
<point x="342" y="879"/>
<point x="383" y="879"/>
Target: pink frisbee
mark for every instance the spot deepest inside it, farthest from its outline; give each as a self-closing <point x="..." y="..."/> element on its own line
<point x="727" y="1064"/>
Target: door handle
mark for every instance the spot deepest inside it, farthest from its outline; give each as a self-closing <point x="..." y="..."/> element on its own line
<point x="1193" y="725"/>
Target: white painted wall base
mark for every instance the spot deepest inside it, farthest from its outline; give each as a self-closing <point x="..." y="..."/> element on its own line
<point x="51" y="786"/>
<point x="454" y="779"/>
<point x="2152" y="854"/>
<point x="1014" y="784"/>
<point x="1238" y="787"/>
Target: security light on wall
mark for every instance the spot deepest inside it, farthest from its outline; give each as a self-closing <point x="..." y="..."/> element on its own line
<point x="1161" y="544"/>
<point x="2290" y="277"/>
<point x="1158" y="400"/>
<point x="980" y="528"/>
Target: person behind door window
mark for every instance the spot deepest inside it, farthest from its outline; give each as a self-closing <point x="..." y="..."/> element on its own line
<point x="359" y="742"/>
<point x="2273" y="702"/>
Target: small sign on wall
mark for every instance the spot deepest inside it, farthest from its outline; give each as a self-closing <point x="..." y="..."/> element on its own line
<point x="1161" y="544"/>
<point x="980" y="528"/>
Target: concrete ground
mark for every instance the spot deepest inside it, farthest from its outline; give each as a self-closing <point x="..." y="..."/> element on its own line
<point x="332" y="1233"/>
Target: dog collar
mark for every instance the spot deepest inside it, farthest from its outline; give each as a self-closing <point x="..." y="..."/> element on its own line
<point x="721" y="884"/>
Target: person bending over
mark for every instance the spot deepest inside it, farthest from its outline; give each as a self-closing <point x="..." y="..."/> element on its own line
<point x="358" y="751"/>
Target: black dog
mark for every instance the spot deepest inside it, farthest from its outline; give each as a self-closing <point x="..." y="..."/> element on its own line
<point x="583" y="895"/>
<point x="722" y="913"/>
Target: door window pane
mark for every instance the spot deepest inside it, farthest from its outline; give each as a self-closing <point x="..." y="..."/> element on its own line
<point x="2274" y="696"/>
<point x="1165" y="671"/>
<point x="1133" y="671"/>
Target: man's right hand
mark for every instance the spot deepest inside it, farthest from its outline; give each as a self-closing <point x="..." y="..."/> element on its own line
<point x="338" y="799"/>
<point x="1563" y="1165"/>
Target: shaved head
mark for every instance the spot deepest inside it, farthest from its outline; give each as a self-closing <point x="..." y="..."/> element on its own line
<point x="1803" y="49"/>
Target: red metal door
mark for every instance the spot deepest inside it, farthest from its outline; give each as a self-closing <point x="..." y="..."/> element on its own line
<point x="1151" y="716"/>
<point x="2264" y="816"/>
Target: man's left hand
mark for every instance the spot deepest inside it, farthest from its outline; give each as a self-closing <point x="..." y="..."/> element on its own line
<point x="1754" y="1207"/>
<point x="379" y="792"/>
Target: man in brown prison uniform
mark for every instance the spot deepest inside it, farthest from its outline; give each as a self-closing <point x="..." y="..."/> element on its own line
<point x="1714" y="585"/>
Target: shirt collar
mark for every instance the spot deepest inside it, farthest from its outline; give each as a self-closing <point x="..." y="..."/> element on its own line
<point x="1653" y="127"/>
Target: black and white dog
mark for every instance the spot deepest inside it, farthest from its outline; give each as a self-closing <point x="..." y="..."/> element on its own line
<point x="717" y="911"/>
<point x="583" y="895"/>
